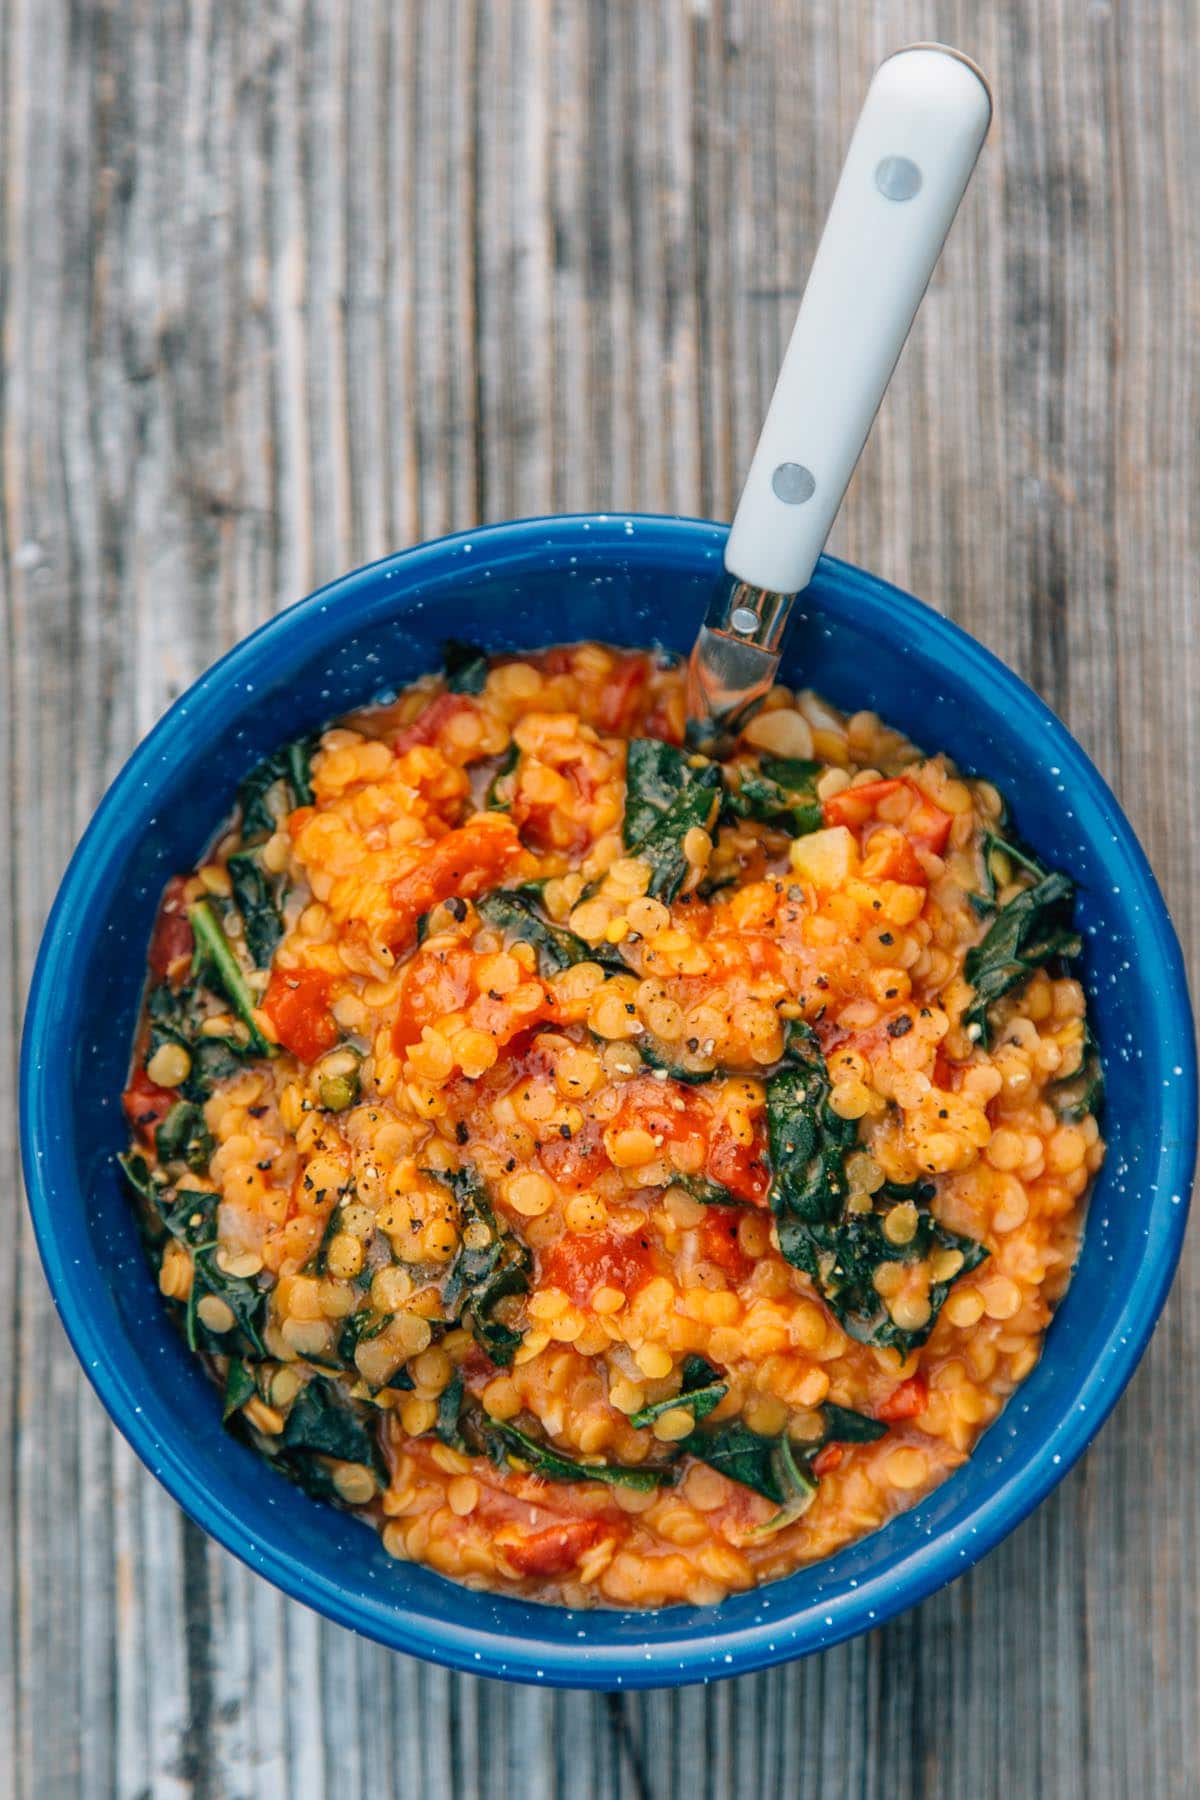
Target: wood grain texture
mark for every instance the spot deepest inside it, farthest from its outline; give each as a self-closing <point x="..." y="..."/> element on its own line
<point x="285" y="284"/>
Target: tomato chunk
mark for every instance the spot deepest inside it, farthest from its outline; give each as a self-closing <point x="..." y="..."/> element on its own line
<point x="719" y="1241"/>
<point x="741" y="1168"/>
<point x="436" y="982"/>
<point x="297" y="1004"/>
<point x="906" y="1401"/>
<point x="428" y="724"/>
<point x="576" y="1162"/>
<point x="555" y="1550"/>
<point x="581" y="1262"/>
<point x="620" y="695"/>
<point x="146" y="1105"/>
<point x="827" y="1459"/>
<point x="925" y="824"/>
<point x="464" y="862"/>
<point x="855" y="805"/>
<point x="171" y="942"/>
<point x="891" y="857"/>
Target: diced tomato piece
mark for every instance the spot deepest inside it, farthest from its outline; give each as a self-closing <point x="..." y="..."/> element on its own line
<point x="553" y="1551"/>
<point x="537" y="820"/>
<point x="464" y="862"/>
<point x="581" y="1262"/>
<point x="576" y="1162"/>
<point x="826" y="1459"/>
<point x="146" y="1105"/>
<point x="719" y="1241"/>
<point x="559" y="661"/>
<point x="742" y="1168"/>
<point x="905" y="1402"/>
<point x="925" y="824"/>
<point x="622" y="690"/>
<point x="429" y="722"/>
<point x="855" y="805"/>
<point x="297" y="1004"/>
<point x="891" y="857"/>
<point x="435" y="982"/>
<point x="171" y="941"/>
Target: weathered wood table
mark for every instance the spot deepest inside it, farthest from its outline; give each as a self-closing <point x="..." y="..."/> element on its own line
<point x="290" y="283"/>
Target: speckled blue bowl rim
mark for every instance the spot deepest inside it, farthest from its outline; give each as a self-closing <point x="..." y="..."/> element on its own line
<point x="712" y="1650"/>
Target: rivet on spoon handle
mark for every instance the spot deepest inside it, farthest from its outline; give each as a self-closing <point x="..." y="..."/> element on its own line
<point x="920" y="131"/>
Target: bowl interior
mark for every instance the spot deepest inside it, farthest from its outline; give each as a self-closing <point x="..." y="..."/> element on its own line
<point x="628" y="581"/>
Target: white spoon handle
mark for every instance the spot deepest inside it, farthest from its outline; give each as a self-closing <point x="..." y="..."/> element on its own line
<point x="922" y="125"/>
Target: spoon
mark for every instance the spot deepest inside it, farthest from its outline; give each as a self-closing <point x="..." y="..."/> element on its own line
<point x="920" y="131"/>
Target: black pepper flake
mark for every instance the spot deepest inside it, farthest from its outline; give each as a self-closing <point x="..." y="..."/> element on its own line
<point x="263" y="1165"/>
<point x="630" y="1007"/>
<point x="510" y="1165"/>
<point x="693" y="1045"/>
<point x="878" y="905"/>
<point x="900" y="1027"/>
<point x="256" y="1112"/>
<point x="942" y="1113"/>
<point x="456" y="908"/>
<point x="462" y="1135"/>
<point x="885" y="937"/>
<point x="493" y="995"/>
<point x="891" y="993"/>
<point x="564" y="1131"/>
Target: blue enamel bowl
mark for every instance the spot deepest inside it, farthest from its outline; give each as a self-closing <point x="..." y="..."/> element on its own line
<point x="630" y="581"/>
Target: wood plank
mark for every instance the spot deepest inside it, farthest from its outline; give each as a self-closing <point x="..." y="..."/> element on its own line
<point x="288" y="284"/>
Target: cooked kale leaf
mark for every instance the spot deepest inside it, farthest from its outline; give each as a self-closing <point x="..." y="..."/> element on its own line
<point x="840" y="1250"/>
<point x="767" y="1465"/>
<point x="240" y="1386"/>
<point x="254" y="897"/>
<point x="667" y="794"/>
<point x="842" y="1260"/>
<point x="775" y="1467"/>
<point x="504" y="769"/>
<point x="505" y="1443"/>
<point x="191" y="1218"/>
<point x="700" y="1391"/>
<point x="289" y="765"/>
<point x="465" y="667"/>
<point x="450" y="1404"/>
<point x="1075" y="1096"/>
<point x="845" y="1426"/>
<point x="491" y="1266"/>
<point x="215" y="963"/>
<point x="321" y="1419"/>
<point x="1024" y="935"/>
<point x="808" y="1141"/>
<point x="781" y="793"/>
<point x="998" y="855"/>
<point x="139" y="1177"/>
<point x="359" y="1328"/>
<point x="506" y="909"/>
<point x="184" y="1137"/>
<point x="177" y="1017"/>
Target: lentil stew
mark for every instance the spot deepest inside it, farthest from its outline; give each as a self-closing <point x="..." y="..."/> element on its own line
<point x="621" y="1176"/>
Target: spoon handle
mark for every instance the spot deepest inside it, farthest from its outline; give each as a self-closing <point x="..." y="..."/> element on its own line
<point x="922" y="126"/>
